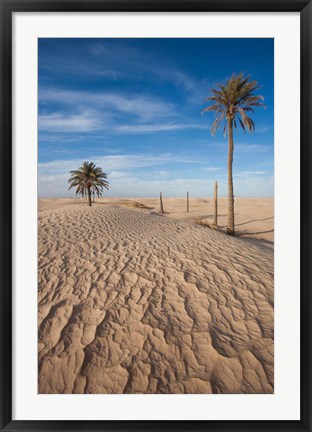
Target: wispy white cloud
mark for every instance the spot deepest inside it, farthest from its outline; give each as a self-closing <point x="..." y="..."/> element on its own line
<point x="57" y="138"/>
<point x="263" y="128"/>
<point x="194" y="90"/>
<point x="211" y="168"/>
<point x="111" y="112"/>
<point x="59" y="122"/>
<point x="248" y="148"/>
<point x="118" y="174"/>
<point x="143" y="107"/>
<point x="249" y="173"/>
<point x="158" y="127"/>
<point x="67" y="64"/>
<point x="117" y="162"/>
<point x="246" y="174"/>
<point x="161" y="173"/>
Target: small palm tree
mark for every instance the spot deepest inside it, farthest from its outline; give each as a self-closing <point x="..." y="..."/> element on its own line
<point x="231" y="102"/>
<point x="89" y="180"/>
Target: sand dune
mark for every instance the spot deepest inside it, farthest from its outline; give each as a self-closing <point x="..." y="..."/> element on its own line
<point x="134" y="302"/>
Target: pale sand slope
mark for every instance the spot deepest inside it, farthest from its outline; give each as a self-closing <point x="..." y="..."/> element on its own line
<point x="254" y="217"/>
<point x="134" y="302"/>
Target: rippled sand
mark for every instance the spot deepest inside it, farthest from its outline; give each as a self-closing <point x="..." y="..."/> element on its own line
<point x="134" y="302"/>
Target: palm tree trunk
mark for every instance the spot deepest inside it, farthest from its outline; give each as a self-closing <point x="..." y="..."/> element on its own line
<point x="230" y="225"/>
<point x="89" y="196"/>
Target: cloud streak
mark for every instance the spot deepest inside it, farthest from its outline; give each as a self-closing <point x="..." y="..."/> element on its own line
<point x="143" y="107"/>
<point x="158" y="127"/>
<point x="110" y="112"/>
<point x="251" y="148"/>
<point x="118" y="162"/>
<point x="59" y="122"/>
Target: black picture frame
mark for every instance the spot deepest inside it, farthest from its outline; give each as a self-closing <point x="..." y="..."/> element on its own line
<point x="8" y="7"/>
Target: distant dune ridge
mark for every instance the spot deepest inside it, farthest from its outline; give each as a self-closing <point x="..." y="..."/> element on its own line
<point x="131" y="301"/>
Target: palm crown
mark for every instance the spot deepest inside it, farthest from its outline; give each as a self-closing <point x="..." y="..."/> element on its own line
<point x="233" y="101"/>
<point x="88" y="178"/>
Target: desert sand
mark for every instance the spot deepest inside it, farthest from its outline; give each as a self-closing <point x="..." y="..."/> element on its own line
<point x="131" y="301"/>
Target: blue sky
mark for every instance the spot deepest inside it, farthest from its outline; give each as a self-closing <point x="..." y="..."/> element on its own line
<point x="133" y="106"/>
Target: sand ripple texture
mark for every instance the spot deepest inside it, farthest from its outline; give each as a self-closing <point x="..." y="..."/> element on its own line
<point x="133" y="302"/>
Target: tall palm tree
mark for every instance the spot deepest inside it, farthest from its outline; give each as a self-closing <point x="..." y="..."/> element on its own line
<point x="89" y="180"/>
<point x="231" y="102"/>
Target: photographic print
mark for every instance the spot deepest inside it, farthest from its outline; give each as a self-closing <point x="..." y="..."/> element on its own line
<point x="155" y="216"/>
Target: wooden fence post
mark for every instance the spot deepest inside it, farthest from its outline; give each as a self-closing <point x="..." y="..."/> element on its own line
<point x="187" y="202"/>
<point x="161" y="204"/>
<point x="215" y="219"/>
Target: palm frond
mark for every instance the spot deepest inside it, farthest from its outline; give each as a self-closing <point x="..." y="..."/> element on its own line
<point x="232" y="101"/>
<point x="88" y="177"/>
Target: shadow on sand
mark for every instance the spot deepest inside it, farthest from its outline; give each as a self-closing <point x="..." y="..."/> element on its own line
<point x="254" y="220"/>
